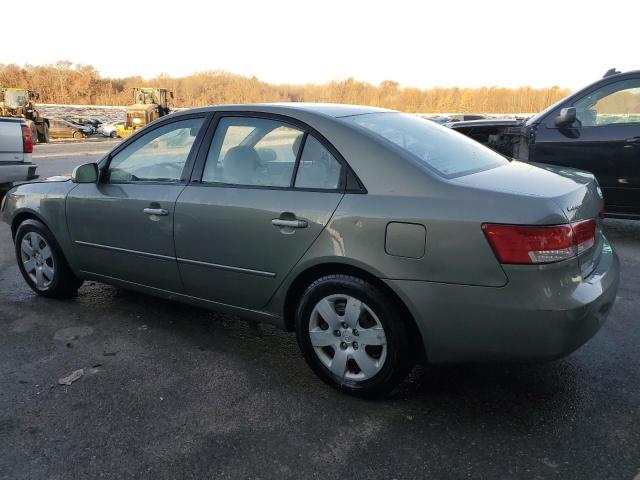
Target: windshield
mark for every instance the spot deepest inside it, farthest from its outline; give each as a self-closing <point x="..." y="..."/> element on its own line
<point x="448" y="153"/>
<point x="13" y="98"/>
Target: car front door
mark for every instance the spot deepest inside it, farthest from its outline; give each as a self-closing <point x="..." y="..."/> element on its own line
<point x="122" y="226"/>
<point x="604" y="139"/>
<point x="259" y="198"/>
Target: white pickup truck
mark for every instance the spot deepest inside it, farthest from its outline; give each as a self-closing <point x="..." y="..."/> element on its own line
<point x="16" y="146"/>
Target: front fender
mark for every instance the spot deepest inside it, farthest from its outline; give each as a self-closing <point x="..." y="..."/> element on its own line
<point x="44" y="201"/>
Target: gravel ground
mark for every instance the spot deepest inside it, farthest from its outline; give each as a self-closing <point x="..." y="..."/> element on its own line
<point x="170" y="391"/>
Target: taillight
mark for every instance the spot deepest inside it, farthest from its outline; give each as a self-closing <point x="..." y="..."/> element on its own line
<point x="585" y="235"/>
<point x="530" y="244"/>
<point x="27" y="139"/>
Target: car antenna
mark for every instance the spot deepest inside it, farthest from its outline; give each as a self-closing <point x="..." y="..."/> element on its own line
<point x="611" y="71"/>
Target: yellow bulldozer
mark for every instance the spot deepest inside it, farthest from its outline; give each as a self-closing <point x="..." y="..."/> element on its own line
<point x="20" y="102"/>
<point x="149" y="104"/>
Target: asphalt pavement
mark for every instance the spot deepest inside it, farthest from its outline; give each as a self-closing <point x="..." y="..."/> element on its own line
<point x="171" y="391"/>
<point x="61" y="157"/>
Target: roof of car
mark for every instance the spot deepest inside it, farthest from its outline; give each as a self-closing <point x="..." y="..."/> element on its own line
<point x="328" y="109"/>
<point x="622" y="74"/>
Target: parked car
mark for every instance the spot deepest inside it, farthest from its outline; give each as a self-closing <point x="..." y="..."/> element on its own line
<point x="494" y="133"/>
<point x="16" y="147"/>
<point x="59" y="128"/>
<point x="109" y="129"/>
<point x="595" y="129"/>
<point x="87" y="128"/>
<point x="85" y="121"/>
<point x="380" y="238"/>
<point x="455" y="118"/>
<point x="94" y="122"/>
<point x="467" y="117"/>
<point x="439" y="120"/>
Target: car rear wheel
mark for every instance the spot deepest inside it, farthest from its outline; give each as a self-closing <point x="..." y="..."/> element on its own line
<point x="34" y="131"/>
<point x="352" y="336"/>
<point x="44" y="136"/>
<point x="42" y="263"/>
<point x="113" y="134"/>
<point x="78" y="135"/>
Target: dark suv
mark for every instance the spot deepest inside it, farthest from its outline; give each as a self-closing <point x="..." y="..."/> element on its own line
<point x="595" y="129"/>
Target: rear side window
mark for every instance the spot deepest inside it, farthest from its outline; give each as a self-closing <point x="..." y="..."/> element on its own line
<point x="318" y="168"/>
<point x="252" y="152"/>
<point x="444" y="151"/>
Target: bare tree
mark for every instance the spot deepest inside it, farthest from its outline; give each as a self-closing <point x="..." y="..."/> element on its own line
<point x="65" y="82"/>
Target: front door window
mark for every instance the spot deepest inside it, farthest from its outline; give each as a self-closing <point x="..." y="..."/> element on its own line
<point x="614" y="104"/>
<point x="158" y="156"/>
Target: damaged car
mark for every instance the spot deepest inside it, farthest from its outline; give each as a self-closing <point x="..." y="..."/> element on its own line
<point x="596" y="129"/>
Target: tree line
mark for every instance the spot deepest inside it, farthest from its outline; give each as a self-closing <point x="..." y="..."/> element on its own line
<point x="68" y="83"/>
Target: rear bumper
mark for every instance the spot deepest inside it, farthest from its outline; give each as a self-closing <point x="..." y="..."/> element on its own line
<point x="17" y="172"/>
<point x="532" y="318"/>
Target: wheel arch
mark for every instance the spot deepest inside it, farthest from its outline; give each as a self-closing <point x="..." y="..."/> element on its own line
<point x="21" y="217"/>
<point x="314" y="272"/>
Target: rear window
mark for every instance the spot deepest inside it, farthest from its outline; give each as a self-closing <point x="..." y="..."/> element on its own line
<point x="442" y="150"/>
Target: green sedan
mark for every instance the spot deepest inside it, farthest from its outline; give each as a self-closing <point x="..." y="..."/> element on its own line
<point x="380" y="238"/>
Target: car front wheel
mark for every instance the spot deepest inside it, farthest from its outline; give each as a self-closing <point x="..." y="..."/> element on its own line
<point x="42" y="263"/>
<point x="352" y="335"/>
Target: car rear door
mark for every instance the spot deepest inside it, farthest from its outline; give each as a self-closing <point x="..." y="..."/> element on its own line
<point x="605" y="140"/>
<point x="260" y="195"/>
<point x="122" y="226"/>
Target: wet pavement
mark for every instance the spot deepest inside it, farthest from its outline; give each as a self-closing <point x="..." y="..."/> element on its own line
<point x="172" y="391"/>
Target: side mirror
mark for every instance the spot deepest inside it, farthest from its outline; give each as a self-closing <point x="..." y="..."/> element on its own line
<point x="566" y="118"/>
<point x="86" y="173"/>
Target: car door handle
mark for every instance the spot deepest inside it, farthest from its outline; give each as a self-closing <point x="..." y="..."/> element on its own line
<point x="634" y="140"/>
<point x="156" y="211"/>
<point x="278" y="222"/>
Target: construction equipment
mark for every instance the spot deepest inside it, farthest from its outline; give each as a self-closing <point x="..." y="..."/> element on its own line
<point x="19" y="102"/>
<point x="149" y="104"/>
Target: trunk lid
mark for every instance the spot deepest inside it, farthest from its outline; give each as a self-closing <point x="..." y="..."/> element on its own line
<point x="574" y="191"/>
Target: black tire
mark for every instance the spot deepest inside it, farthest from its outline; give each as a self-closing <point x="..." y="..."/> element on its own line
<point x="34" y="131"/>
<point x="63" y="283"/>
<point x="399" y="358"/>
<point x="113" y="134"/>
<point x="44" y="137"/>
<point x="4" y="188"/>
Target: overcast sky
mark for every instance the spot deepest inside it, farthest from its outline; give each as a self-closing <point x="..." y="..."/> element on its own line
<point x="417" y="43"/>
